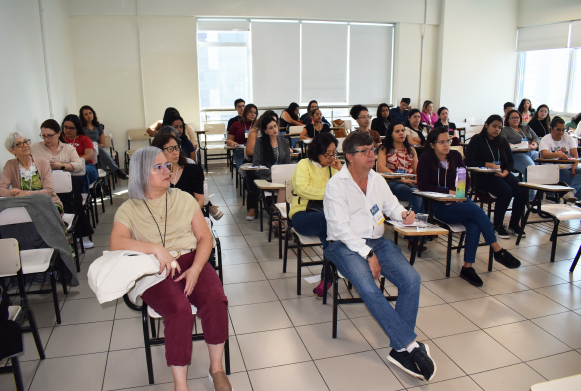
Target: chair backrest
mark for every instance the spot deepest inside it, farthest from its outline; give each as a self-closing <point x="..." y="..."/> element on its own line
<point x="295" y="129"/>
<point x="10" y="263"/>
<point x="16" y="215"/>
<point x="206" y="193"/>
<point x="95" y="153"/>
<point x="474" y="121"/>
<point x="109" y="141"/>
<point x="458" y="148"/>
<point x="347" y="125"/>
<point x="545" y="174"/>
<point x="215" y="128"/>
<point x="137" y="134"/>
<point x="340" y="144"/>
<point x="282" y="172"/>
<point x="289" y="191"/>
<point x="62" y="181"/>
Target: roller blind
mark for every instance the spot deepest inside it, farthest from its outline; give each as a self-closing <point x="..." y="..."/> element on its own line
<point x="223" y="25"/>
<point x="324" y="62"/>
<point x="275" y="64"/>
<point x="576" y="34"/>
<point x="370" y="63"/>
<point x="551" y="36"/>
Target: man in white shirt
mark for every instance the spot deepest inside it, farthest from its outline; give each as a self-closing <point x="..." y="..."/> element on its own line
<point x="559" y="145"/>
<point x="356" y="200"/>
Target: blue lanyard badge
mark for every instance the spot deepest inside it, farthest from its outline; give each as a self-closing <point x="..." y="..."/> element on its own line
<point x="377" y="215"/>
<point x="400" y="171"/>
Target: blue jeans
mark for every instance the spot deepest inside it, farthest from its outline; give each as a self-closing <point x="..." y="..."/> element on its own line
<point x="473" y="218"/>
<point x="311" y="224"/>
<point x="575" y="182"/>
<point x="404" y="192"/>
<point x="398" y="323"/>
<point x="92" y="174"/>
<point x="105" y="160"/>
<point x="238" y="156"/>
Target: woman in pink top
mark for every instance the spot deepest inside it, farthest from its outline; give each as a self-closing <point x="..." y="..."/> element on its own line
<point x="428" y="116"/>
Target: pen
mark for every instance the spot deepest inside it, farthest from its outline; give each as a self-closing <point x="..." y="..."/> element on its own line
<point x="409" y="211"/>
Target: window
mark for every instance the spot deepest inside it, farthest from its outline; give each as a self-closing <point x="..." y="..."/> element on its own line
<point x="575" y="88"/>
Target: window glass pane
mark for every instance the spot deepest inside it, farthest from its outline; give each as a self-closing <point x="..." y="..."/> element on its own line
<point x="545" y="77"/>
<point x="222" y="36"/>
<point x="575" y="97"/>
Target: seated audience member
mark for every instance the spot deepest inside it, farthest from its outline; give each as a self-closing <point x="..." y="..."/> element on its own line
<point x="172" y="112"/>
<point x="397" y="155"/>
<point x="306" y="118"/>
<point x="239" y="105"/>
<point x="526" y="111"/>
<point x="381" y="122"/>
<point x="515" y="132"/>
<point x="26" y="175"/>
<point x="73" y="134"/>
<point x="255" y="133"/>
<point x="64" y="157"/>
<point x="413" y="131"/>
<point x="508" y="106"/>
<point x="541" y="121"/>
<point x="428" y="116"/>
<point x="443" y="122"/>
<point x="290" y="116"/>
<point x="238" y="132"/>
<point x="96" y="132"/>
<point x="559" y="145"/>
<point x="489" y="149"/>
<point x="309" y="181"/>
<point x="401" y="113"/>
<point x="269" y="149"/>
<point x="186" y="145"/>
<point x="169" y="223"/>
<point x="315" y="127"/>
<point x="437" y="170"/>
<point x="355" y="201"/>
<point x="361" y="115"/>
<point x="571" y="126"/>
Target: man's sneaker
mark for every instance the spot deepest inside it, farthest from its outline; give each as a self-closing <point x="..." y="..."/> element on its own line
<point x="215" y="212"/>
<point x="403" y="360"/>
<point x="320" y="289"/>
<point x="469" y="274"/>
<point x="421" y="357"/>
<point x="86" y="242"/>
<point x="515" y="231"/>
<point x="501" y="232"/>
<point x="507" y="259"/>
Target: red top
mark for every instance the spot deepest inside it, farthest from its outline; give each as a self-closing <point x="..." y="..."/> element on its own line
<point x="239" y="129"/>
<point x="81" y="143"/>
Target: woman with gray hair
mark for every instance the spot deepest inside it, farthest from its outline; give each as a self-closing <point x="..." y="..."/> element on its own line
<point x="26" y="175"/>
<point x="169" y="224"/>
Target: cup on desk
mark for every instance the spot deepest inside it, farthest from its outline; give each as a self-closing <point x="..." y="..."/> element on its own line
<point x="421" y="221"/>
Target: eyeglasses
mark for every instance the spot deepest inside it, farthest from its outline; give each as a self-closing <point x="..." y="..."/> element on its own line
<point x="368" y="151"/>
<point x="21" y="144"/>
<point x="160" y="167"/>
<point x="171" y="149"/>
<point x="444" y="142"/>
<point x="47" y="136"/>
<point x="511" y="118"/>
<point x="330" y="155"/>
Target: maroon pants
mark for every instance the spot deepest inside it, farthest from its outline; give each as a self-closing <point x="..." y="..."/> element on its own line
<point x="168" y="299"/>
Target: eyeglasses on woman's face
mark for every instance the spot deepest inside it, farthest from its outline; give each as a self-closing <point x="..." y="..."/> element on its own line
<point x="366" y="152"/>
<point x="21" y="144"/>
<point x="160" y="168"/>
<point x="69" y="128"/>
<point x="514" y="118"/>
<point x="331" y="155"/>
<point x="47" y="136"/>
<point x="444" y="142"/>
<point x="172" y="148"/>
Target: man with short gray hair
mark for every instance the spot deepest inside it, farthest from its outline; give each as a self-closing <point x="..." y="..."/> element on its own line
<point x="356" y="199"/>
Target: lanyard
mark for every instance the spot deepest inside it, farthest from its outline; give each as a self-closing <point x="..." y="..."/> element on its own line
<point x="544" y="130"/>
<point x="326" y="179"/>
<point x="518" y="133"/>
<point x="165" y="228"/>
<point x="493" y="153"/>
<point x="445" y="174"/>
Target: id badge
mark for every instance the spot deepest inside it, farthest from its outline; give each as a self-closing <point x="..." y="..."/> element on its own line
<point x="524" y="140"/>
<point x="497" y="162"/>
<point x="246" y="133"/>
<point x="377" y="215"/>
<point x="400" y="171"/>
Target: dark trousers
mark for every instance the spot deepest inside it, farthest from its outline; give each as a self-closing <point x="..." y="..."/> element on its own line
<point x="73" y="203"/>
<point x="504" y="189"/>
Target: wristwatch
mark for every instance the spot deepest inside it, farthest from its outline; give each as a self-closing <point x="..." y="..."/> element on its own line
<point x="63" y="167"/>
<point x="370" y="254"/>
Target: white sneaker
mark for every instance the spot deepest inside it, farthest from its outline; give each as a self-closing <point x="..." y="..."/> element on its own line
<point x="86" y="242"/>
<point x="570" y="197"/>
<point x="216" y="213"/>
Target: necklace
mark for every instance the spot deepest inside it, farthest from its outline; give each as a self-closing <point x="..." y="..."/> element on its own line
<point x="165" y="228"/>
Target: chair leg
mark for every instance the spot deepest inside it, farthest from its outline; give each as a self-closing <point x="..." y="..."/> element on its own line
<point x="35" y="333"/>
<point x="335" y="301"/>
<point x="554" y="239"/>
<point x="299" y="264"/>
<point x="152" y="325"/>
<point x="285" y="252"/>
<point x="147" y="344"/>
<point x="270" y="222"/>
<point x="490" y="259"/>
<point x="55" y="298"/>
<point x="77" y="261"/>
<point x="17" y="373"/>
<point x="227" y="355"/>
<point x="449" y="254"/>
<point x="460" y="243"/>
<point x="325" y="274"/>
<point x="575" y="261"/>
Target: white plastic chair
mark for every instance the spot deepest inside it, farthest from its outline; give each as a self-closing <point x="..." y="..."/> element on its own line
<point x="213" y="129"/>
<point x="280" y="173"/>
<point x="62" y="183"/>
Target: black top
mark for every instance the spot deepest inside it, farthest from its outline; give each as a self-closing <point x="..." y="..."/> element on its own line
<point x="437" y="178"/>
<point x="192" y="180"/>
<point x="480" y="151"/>
<point x="311" y="130"/>
<point x="380" y="126"/>
<point x="306" y="119"/>
<point x="539" y="128"/>
<point x="232" y="120"/>
<point x="451" y="126"/>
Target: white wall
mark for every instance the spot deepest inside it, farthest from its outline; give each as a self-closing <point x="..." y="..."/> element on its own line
<point x="24" y="100"/>
<point x="478" y="66"/>
<point x="535" y="12"/>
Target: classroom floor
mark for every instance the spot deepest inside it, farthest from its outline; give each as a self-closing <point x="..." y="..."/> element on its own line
<point x="520" y="328"/>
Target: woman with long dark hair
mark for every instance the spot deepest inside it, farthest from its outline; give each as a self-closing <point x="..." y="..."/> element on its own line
<point x="307" y="119"/>
<point x="381" y="122"/>
<point x="413" y="130"/>
<point x="525" y="108"/>
<point x="437" y="170"/>
<point x="443" y="121"/>
<point x="428" y="116"/>
<point x="290" y="116"/>
<point x="73" y="134"/>
<point x="515" y="132"/>
<point x="178" y="123"/>
<point x="239" y="132"/>
<point x="571" y="126"/>
<point x="541" y="121"/>
<point x="315" y="127"/>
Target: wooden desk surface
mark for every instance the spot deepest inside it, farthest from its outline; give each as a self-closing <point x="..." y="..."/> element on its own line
<point x="239" y="146"/>
<point x="558" y="161"/>
<point x="393" y="175"/>
<point x="266" y="185"/>
<point x="441" y="198"/>
<point x="536" y="186"/>
<point x="413" y="231"/>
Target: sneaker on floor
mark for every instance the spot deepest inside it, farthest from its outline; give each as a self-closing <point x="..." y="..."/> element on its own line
<point x="516" y="230"/>
<point x="121" y="175"/>
<point x="507" y="259"/>
<point x="469" y="274"/>
<point x="569" y="197"/>
<point x="215" y="212"/>
<point x="403" y="360"/>
<point x="320" y="289"/>
<point x="86" y="242"/>
<point x="501" y="232"/>
<point x="251" y="215"/>
<point x="421" y="357"/>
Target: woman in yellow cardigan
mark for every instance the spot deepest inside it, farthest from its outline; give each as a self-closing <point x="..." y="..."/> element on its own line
<point x="309" y="182"/>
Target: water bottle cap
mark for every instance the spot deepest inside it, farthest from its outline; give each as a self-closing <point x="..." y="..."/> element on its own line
<point x="461" y="169"/>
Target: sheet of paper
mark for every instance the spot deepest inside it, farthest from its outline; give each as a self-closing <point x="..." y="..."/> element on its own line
<point x="313" y="279"/>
